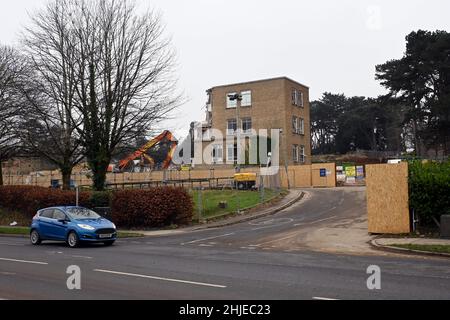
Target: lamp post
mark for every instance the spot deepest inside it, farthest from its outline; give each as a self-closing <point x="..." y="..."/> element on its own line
<point x="286" y="164"/>
<point x="238" y="98"/>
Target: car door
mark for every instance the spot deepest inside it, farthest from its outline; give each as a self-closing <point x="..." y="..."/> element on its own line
<point x="46" y="223"/>
<point x="59" y="229"/>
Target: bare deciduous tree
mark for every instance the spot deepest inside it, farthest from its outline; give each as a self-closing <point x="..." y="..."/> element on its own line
<point x="113" y="71"/>
<point x="126" y="85"/>
<point x="11" y="76"/>
<point x="50" y="128"/>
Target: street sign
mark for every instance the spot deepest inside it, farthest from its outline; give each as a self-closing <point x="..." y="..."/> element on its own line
<point x="323" y="173"/>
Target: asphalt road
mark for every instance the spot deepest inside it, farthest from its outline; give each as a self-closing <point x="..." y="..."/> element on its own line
<point x="230" y="263"/>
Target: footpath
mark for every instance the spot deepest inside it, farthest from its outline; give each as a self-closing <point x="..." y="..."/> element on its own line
<point x="412" y="245"/>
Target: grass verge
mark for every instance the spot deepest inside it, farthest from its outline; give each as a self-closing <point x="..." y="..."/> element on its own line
<point x="423" y="247"/>
<point x="235" y="200"/>
<point x="25" y="231"/>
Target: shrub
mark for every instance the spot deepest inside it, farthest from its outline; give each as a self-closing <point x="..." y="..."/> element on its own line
<point x="429" y="187"/>
<point x="153" y="207"/>
<point x="99" y="199"/>
<point x="29" y="200"/>
<point x="149" y="208"/>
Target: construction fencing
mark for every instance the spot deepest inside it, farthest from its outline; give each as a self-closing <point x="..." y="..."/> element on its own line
<point x="304" y="176"/>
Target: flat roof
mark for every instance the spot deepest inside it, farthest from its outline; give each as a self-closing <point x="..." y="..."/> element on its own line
<point x="256" y="81"/>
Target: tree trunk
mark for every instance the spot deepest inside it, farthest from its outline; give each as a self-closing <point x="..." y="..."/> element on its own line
<point x="66" y="176"/>
<point x="417" y="145"/>
<point x="1" y="174"/>
<point x="99" y="178"/>
<point x="99" y="170"/>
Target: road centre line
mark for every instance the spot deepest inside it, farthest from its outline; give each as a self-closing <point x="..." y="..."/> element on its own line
<point x="160" y="278"/>
<point x="211" y="238"/>
<point x="324" y="299"/>
<point x="23" y="261"/>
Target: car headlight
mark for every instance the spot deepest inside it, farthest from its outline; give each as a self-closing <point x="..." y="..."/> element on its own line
<point x="114" y="226"/>
<point x="86" y="227"/>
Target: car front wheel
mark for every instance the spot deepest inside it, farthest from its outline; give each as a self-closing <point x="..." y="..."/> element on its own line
<point x="72" y="240"/>
<point x="35" y="238"/>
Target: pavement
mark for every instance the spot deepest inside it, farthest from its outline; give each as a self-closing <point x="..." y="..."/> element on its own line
<point x="270" y="258"/>
<point x="388" y="244"/>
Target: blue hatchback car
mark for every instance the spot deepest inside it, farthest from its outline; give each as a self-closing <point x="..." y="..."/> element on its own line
<point x="73" y="225"/>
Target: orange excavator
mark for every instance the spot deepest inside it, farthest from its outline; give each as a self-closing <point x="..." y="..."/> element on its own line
<point x="165" y="137"/>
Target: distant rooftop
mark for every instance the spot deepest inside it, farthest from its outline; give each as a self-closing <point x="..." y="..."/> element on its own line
<point x="257" y="81"/>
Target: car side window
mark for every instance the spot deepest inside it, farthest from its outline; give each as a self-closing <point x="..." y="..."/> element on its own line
<point x="48" y="213"/>
<point x="59" y="215"/>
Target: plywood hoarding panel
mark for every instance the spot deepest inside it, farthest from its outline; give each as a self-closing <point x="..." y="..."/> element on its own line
<point x="388" y="198"/>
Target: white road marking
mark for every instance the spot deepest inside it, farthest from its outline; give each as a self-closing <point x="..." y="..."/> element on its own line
<point x="160" y="278"/>
<point x="317" y="221"/>
<point x="82" y="257"/>
<point x="206" y="239"/>
<point x="206" y="245"/>
<point x="285" y="238"/>
<point x="11" y="244"/>
<point x="24" y="261"/>
<point x="324" y="299"/>
<point x="268" y="223"/>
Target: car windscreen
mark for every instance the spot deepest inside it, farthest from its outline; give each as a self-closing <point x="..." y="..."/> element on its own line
<point x="82" y="214"/>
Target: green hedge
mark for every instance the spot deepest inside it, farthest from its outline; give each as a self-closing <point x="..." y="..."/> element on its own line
<point x="429" y="187"/>
<point x="155" y="207"/>
<point x="138" y="209"/>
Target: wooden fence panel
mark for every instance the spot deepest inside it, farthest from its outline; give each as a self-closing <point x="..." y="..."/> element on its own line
<point x="388" y="198"/>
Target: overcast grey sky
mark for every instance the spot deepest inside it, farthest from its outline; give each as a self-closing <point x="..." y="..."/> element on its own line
<point x="328" y="45"/>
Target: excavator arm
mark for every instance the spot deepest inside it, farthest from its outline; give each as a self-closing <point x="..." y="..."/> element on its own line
<point x="143" y="150"/>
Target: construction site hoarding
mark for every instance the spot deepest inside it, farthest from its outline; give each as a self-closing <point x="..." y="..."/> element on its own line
<point x="388" y="198"/>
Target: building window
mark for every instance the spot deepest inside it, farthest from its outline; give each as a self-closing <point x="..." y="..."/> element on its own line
<point x="295" y="153"/>
<point x="232" y="152"/>
<point x="295" y="125"/>
<point x="301" y="126"/>
<point x="231" y="127"/>
<point x="302" y="154"/>
<point x="246" y="99"/>
<point x="297" y="98"/>
<point x="247" y="125"/>
<point x="217" y="153"/>
<point x="231" y="103"/>
<point x="301" y="99"/>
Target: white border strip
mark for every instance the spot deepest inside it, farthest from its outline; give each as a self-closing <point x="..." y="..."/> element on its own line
<point x="23" y="261"/>
<point x="160" y="278"/>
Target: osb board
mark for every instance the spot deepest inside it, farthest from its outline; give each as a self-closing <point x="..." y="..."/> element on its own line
<point x="299" y="176"/>
<point x="302" y="176"/>
<point x="388" y="198"/>
<point x="324" y="182"/>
